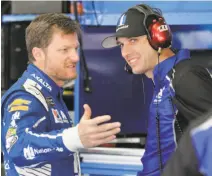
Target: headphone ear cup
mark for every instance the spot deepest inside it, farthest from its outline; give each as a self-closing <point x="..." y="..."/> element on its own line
<point x="128" y="69"/>
<point x="160" y="35"/>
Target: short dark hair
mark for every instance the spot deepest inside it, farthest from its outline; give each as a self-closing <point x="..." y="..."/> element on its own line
<point x="39" y="32"/>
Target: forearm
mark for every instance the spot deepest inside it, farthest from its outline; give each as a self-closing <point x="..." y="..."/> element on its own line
<point x="32" y="148"/>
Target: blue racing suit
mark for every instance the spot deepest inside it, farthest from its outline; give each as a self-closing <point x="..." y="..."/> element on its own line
<point x="162" y="108"/>
<point x="34" y="117"/>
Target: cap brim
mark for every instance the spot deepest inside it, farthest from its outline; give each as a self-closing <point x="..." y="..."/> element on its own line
<point x="110" y="42"/>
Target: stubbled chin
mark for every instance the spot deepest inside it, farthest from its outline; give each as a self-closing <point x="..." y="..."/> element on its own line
<point x="72" y="76"/>
<point x="71" y="73"/>
<point x="136" y="71"/>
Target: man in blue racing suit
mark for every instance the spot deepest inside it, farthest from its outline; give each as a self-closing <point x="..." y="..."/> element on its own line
<point x="145" y="41"/>
<point x="38" y="137"/>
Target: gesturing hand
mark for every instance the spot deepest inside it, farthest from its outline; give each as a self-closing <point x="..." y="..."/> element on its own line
<point x="92" y="132"/>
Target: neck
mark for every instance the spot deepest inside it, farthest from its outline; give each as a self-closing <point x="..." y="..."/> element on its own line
<point x="165" y="54"/>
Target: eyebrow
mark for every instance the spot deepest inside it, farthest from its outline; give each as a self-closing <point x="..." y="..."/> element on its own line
<point x="70" y="46"/>
<point x="119" y="43"/>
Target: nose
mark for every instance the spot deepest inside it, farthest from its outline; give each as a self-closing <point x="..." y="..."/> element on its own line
<point x="74" y="56"/>
<point x="125" y="51"/>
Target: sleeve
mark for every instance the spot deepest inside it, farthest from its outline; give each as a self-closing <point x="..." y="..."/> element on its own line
<point x="26" y="136"/>
<point x="193" y="93"/>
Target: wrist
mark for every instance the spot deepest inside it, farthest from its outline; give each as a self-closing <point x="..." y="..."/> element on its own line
<point x="71" y="139"/>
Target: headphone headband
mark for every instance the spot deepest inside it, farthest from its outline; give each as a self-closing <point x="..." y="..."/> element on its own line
<point x="147" y="11"/>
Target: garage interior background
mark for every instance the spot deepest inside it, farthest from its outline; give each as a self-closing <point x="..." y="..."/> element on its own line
<point x="102" y="81"/>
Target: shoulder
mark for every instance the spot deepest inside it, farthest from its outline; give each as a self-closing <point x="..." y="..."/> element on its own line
<point x="22" y="101"/>
<point x="189" y="72"/>
<point x="27" y="88"/>
<point x="194" y="75"/>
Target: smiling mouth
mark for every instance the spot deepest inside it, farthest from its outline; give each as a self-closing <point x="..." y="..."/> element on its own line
<point x="132" y="61"/>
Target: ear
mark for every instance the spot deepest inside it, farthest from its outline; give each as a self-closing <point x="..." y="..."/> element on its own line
<point x="38" y="54"/>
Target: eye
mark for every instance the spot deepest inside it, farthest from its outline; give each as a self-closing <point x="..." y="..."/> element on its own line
<point x="132" y="40"/>
<point x="64" y="50"/>
<point x="121" y="45"/>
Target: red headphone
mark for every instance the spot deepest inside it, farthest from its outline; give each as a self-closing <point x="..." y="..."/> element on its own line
<point x="158" y="32"/>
